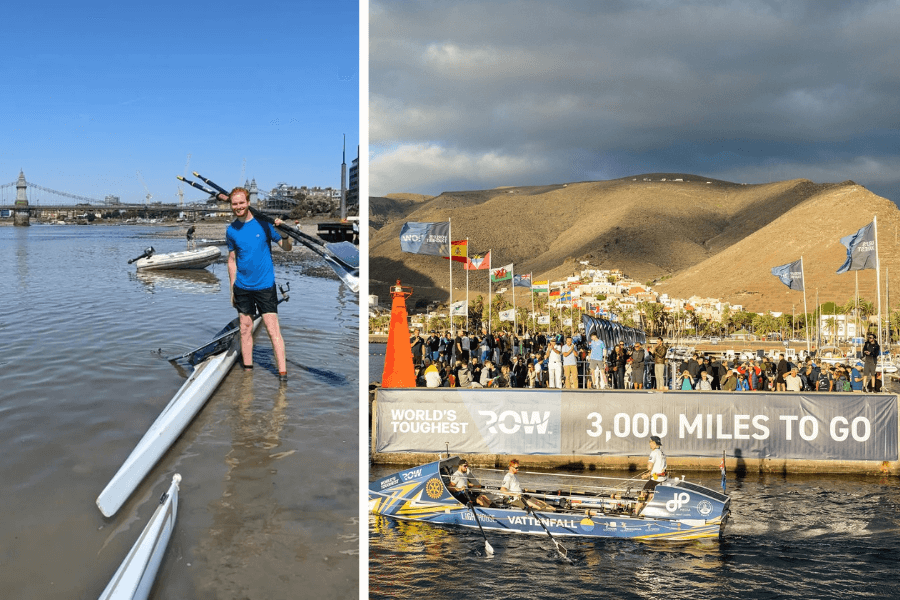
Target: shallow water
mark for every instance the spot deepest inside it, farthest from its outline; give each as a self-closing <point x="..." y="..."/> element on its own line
<point x="268" y="503"/>
<point x="797" y="537"/>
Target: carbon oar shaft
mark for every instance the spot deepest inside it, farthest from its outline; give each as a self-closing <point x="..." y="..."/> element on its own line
<point x="559" y="547"/>
<point x="487" y="545"/>
<point x="210" y="182"/>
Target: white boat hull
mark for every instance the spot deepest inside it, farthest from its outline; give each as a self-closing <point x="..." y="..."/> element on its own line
<point x="135" y="576"/>
<point x="188" y="259"/>
<point x="173" y="420"/>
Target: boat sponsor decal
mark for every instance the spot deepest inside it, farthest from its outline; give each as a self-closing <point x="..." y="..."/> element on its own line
<point x="704" y="507"/>
<point x="390" y="481"/>
<point x="511" y="421"/>
<point x="434" y="488"/>
<point x="548" y="521"/>
<point x="587" y="524"/>
<point x="483" y="517"/>
<point x="411" y="474"/>
<point x="680" y="499"/>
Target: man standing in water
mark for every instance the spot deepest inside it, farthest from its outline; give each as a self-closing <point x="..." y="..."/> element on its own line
<point x="252" y="276"/>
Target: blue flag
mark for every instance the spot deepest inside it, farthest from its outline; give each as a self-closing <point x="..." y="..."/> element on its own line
<point x="861" y="249"/>
<point x="522" y="280"/>
<point x="426" y="238"/>
<point x="790" y="274"/>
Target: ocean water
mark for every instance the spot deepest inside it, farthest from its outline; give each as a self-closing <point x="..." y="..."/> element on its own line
<point x="268" y="505"/>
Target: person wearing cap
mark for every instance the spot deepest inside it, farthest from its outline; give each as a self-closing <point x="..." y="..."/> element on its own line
<point x="655" y="473"/>
<point x="554" y="364"/>
<point x="870" y="351"/>
<point x="792" y="381"/>
<point x="462" y="480"/>
<point x="856" y="378"/>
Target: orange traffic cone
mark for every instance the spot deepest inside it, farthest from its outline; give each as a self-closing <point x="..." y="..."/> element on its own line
<point x="398" y="362"/>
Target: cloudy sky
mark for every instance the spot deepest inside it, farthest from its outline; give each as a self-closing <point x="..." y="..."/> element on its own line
<point x="474" y="95"/>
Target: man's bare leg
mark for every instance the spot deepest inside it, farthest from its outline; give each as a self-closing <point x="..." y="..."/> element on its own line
<point x="274" y="329"/>
<point x="246" y="340"/>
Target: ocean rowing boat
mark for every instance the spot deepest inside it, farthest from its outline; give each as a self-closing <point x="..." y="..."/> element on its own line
<point x="134" y="578"/>
<point x="213" y="362"/>
<point x="586" y="507"/>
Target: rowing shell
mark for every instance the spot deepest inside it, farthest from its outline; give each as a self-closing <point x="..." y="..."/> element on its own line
<point x="134" y="578"/>
<point x="173" y="420"/>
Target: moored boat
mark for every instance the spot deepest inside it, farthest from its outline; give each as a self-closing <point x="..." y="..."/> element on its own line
<point x="187" y="259"/>
<point x="582" y="507"/>
<point x="134" y="578"/>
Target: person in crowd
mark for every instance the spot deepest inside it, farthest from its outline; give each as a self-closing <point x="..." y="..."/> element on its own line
<point x="621" y="357"/>
<point x="540" y="375"/>
<point x="729" y="380"/>
<point x="432" y="374"/>
<point x="870" y="351"/>
<point x="705" y="383"/>
<point x="554" y="365"/>
<point x="693" y="366"/>
<point x="504" y="379"/>
<point x="570" y="364"/>
<point x="464" y="375"/>
<point x="638" y="357"/>
<point x="741" y="385"/>
<point x="464" y="344"/>
<point x="520" y="372"/>
<point x="597" y="362"/>
<point x="874" y="384"/>
<point x="531" y="377"/>
<point x="629" y="381"/>
<point x="856" y="378"/>
<point x="686" y="382"/>
<point x="488" y="374"/>
<point x="659" y="363"/>
<point x="792" y="381"/>
<point x="475" y="366"/>
<point x="842" y="379"/>
<point x="417" y="345"/>
<point x="713" y="371"/>
<point x="824" y="382"/>
<point x="486" y="345"/>
<point x="780" y="372"/>
<point x="432" y="345"/>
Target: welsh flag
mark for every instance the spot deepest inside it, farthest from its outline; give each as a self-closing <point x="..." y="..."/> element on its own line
<point x="502" y="273"/>
<point x="478" y="263"/>
<point x="459" y="251"/>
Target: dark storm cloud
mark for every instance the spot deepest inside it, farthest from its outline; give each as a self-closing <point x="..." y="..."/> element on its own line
<point x="478" y="94"/>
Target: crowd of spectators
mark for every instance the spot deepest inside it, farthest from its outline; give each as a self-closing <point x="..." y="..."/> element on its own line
<point x="502" y="359"/>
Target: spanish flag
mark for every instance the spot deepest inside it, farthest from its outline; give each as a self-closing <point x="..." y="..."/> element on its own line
<point x="459" y="251"/>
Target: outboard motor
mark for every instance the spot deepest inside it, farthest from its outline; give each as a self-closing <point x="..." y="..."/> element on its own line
<point x="147" y="254"/>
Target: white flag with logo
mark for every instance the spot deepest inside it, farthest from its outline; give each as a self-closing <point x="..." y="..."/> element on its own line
<point x="544" y="320"/>
<point x="459" y="309"/>
<point x="508" y="315"/>
<point x="567" y="322"/>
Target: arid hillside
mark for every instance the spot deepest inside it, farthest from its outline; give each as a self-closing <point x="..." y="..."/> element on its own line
<point x="696" y="236"/>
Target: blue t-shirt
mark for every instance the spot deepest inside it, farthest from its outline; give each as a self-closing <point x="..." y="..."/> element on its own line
<point x="251" y="249"/>
<point x="855" y="385"/>
<point x="598" y="349"/>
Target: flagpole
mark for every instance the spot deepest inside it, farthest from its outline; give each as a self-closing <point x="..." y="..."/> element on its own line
<point x="466" y="328"/>
<point x="805" y="309"/>
<point x="531" y="277"/>
<point x="450" y="239"/>
<point x="512" y="280"/>
<point x="490" y="290"/>
<point x="878" y="282"/>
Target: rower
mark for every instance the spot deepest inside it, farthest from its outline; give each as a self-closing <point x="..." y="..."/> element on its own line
<point x="462" y="481"/>
<point x="656" y="472"/>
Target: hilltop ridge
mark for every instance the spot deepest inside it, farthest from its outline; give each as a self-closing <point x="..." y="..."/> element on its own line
<point x="697" y="236"/>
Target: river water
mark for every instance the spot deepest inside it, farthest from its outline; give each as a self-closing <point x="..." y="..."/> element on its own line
<point x="268" y="506"/>
<point x="790" y="536"/>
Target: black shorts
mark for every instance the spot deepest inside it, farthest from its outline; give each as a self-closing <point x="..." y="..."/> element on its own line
<point x="250" y="302"/>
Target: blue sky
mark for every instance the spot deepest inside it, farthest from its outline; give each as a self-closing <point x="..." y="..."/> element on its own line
<point x="476" y="95"/>
<point x="94" y="92"/>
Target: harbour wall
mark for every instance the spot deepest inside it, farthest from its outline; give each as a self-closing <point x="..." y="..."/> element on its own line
<point x="609" y="430"/>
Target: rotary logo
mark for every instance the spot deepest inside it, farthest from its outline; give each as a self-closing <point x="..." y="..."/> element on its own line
<point x="434" y="488"/>
<point x="704" y="507"/>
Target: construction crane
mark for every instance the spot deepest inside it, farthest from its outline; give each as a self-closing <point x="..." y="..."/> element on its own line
<point x="149" y="195"/>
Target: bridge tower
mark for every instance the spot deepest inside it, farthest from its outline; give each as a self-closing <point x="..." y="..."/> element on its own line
<point x="21" y="215"/>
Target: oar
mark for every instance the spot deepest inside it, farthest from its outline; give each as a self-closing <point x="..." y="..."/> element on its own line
<point x="228" y="333"/>
<point x="559" y="547"/>
<point x="487" y="544"/>
<point x="343" y="257"/>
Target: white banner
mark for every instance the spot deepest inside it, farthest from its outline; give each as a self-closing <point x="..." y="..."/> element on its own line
<point x="567" y="322"/>
<point x="543" y="320"/>
<point x="508" y="315"/>
<point x="459" y="309"/>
